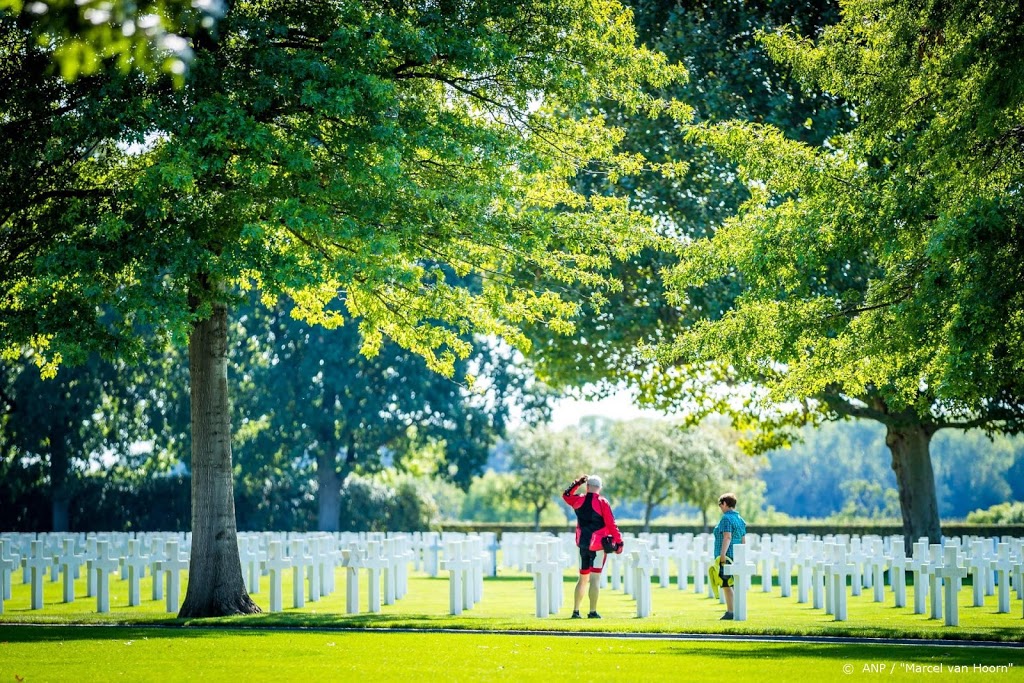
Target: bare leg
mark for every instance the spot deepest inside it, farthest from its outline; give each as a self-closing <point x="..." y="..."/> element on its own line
<point x="728" y="598"/>
<point x="595" y="589"/>
<point x="581" y="587"/>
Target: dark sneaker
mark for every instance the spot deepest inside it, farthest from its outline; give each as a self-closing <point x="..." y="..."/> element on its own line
<point x="593" y="615"/>
<point x="727" y="617"/>
<point x="576" y="615"/>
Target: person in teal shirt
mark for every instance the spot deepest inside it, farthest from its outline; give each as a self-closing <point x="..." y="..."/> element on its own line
<point x="729" y="532"/>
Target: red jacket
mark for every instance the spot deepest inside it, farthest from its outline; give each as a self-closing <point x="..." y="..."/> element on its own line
<point x="600" y="506"/>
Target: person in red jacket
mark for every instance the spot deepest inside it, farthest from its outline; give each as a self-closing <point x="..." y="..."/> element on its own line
<point x="594" y="521"/>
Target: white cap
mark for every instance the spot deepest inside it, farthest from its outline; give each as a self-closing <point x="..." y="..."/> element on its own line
<point x="593" y="482"/>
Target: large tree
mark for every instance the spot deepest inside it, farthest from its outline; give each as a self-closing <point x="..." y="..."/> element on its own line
<point x="337" y="154"/>
<point x="882" y="271"/>
<point x="308" y="400"/>
<point x="731" y="77"/>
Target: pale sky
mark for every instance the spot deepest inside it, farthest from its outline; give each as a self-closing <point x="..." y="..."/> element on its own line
<point x="568" y="411"/>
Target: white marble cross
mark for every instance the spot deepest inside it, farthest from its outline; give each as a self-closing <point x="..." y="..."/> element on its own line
<point x="783" y="554"/>
<point x="547" y="578"/>
<point x="135" y="562"/>
<point x="156" y="555"/>
<point x="300" y="560"/>
<point x="102" y="566"/>
<point x="978" y="565"/>
<point x="841" y="568"/>
<point x="898" y="574"/>
<point x="804" y="570"/>
<point x="432" y="551"/>
<point x="741" y="570"/>
<point x="69" y="563"/>
<point x="642" y="561"/>
<point x="172" y="564"/>
<point x="935" y="579"/>
<point x="951" y="574"/>
<point x="352" y="561"/>
<point x="457" y="567"/>
<point x="249" y="557"/>
<point x="818" y="592"/>
<point x="856" y="557"/>
<point x="374" y="563"/>
<point x="919" y="566"/>
<point x="7" y="566"/>
<point x="766" y="559"/>
<point x="275" y="564"/>
<point x="682" y="552"/>
<point x="1003" y="566"/>
<point x="37" y="564"/>
<point x="875" y="563"/>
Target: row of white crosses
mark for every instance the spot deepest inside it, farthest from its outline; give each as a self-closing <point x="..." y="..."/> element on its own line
<point x="824" y="567"/>
<point x="313" y="558"/>
<point x="464" y="560"/>
<point x="102" y="558"/>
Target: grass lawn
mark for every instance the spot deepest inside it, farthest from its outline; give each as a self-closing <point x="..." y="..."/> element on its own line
<point x="306" y="643"/>
<point x="36" y="653"/>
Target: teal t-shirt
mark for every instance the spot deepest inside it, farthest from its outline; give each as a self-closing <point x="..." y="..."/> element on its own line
<point x="734" y="524"/>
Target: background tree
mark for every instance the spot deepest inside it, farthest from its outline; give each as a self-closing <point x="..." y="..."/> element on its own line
<point x="731" y="77"/>
<point x="308" y="399"/>
<point x="86" y="417"/>
<point x="318" y="150"/>
<point x="651" y="462"/>
<point x="544" y="462"/>
<point x="881" y="271"/>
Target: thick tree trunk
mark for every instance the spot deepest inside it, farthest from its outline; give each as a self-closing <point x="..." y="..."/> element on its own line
<point x="328" y="492"/>
<point x="648" y="510"/>
<point x="60" y="498"/>
<point x="536" y="517"/>
<point x="215" y="584"/>
<point x="912" y="462"/>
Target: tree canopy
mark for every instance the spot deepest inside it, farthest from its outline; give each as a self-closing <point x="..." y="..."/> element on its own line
<point x="342" y="155"/>
<point x="881" y="269"/>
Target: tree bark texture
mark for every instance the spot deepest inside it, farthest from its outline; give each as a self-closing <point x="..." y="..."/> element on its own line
<point x="60" y="496"/>
<point x="215" y="584"/>
<point x="912" y="463"/>
<point x="328" y="492"/>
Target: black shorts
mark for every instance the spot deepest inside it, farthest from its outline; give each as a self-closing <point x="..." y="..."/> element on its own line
<point x="591" y="561"/>
<point x="728" y="581"/>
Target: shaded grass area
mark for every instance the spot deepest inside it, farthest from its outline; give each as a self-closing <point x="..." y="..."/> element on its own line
<point x="75" y="653"/>
<point x="508" y="604"/>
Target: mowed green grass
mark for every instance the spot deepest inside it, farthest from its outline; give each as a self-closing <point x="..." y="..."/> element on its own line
<point x="80" y="653"/>
<point x="317" y="641"/>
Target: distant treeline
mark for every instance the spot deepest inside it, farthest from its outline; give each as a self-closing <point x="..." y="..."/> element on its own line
<point x="844" y="469"/>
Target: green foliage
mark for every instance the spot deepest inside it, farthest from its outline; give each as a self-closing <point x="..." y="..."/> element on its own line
<point x="88" y="36"/>
<point x="882" y="264"/>
<point x="492" y="498"/>
<point x="731" y="77"/>
<point x="659" y="462"/>
<point x="354" y="151"/>
<point x="1003" y="513"/>
<point x="843" y="471"/>
<point x="371" y="505"/>
<point x="544" y="462"/>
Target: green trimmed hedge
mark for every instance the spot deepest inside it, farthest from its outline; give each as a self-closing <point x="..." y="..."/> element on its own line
<point x="952" y="529"/>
